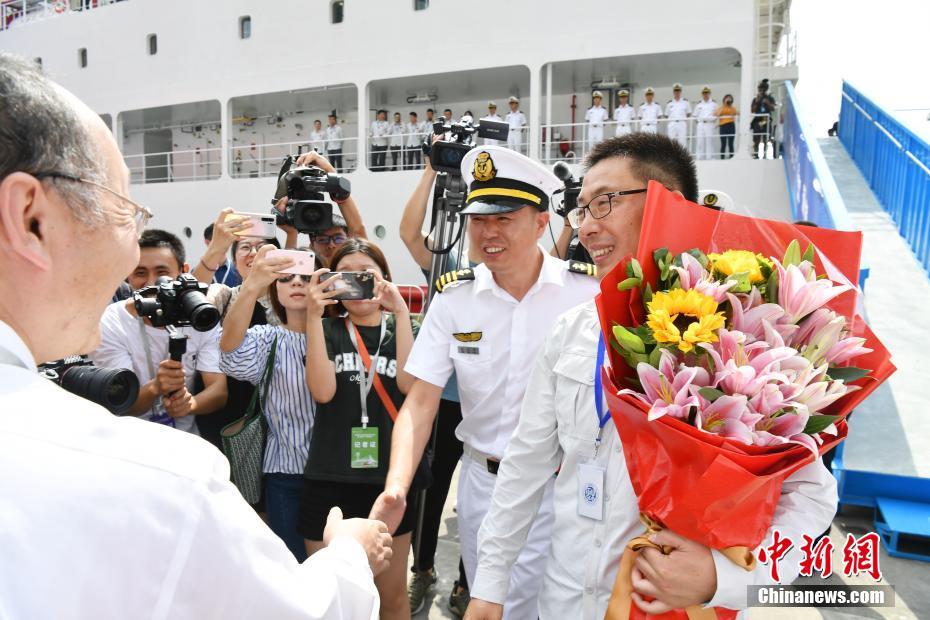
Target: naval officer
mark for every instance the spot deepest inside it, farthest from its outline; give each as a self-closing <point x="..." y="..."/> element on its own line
<point x="595" y="117"/>
<point x="624" y="114"/>
<point x="705" y="112"/>
<point x="487" y="325"/>
<point x="677" y="110"/>
<point x="649" y="112"/>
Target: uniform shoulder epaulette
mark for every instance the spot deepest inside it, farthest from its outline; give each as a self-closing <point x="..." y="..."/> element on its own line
<point x="586" y="269"/>
<point x="452" y="278"/>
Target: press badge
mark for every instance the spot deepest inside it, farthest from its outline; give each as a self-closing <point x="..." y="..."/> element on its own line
<point x="364" y="448"/>
<point x="591" y="491"/>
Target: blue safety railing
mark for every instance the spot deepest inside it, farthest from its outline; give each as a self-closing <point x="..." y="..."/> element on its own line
<point x="896" y="164"/>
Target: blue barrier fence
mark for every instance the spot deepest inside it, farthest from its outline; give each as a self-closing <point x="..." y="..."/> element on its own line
<point x="814" y="195"/>
<point x="896" y="164"/>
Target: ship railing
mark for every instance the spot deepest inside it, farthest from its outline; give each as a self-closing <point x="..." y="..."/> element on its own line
<point x="17" y="12"/>
<point x="198" y="164"/>
<point x="399" y="151"/>
<point x="258" y="159"/>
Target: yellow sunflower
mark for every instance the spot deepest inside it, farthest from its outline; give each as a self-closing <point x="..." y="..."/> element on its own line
<point x="683" y="318"/>
<point x="740" y="261"/>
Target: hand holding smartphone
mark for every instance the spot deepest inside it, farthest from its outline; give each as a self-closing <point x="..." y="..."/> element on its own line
<point x="262" y="225"/>
<point x="353" y="285"/>
<point x="304" y="262"/>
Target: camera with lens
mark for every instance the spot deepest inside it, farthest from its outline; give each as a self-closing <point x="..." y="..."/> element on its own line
<point x="446" y="155"/>
<point x="571" y="191"/>
<point x="305" y="187"/>
<point x="177" y="303"/>
<point x="113" y="388"/>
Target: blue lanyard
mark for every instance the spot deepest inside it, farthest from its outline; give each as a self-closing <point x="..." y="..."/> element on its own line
<point x="602" y="417"/>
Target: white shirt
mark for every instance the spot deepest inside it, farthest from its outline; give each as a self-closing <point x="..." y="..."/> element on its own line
<point x="677" y="110"/>
<point x="493" y="370"/>
<point x="516" y="120"/>
<point x="318" y="140"/>
<point x="558" y="426"/>
<point x="379" y="133"/>
<point x="650" y="112"/>
<point x="397" y="135"/>
<point x="596" y="115"/>
<point x="624" y="113"/>
<point x="414" y="131"/>
<point x="113" y="517"/>
<point x="333" y="138"/>
<point x="121" y="346"/>
<point x="706" y="111"/>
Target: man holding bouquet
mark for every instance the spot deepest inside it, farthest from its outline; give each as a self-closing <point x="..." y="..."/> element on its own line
<point x="596" y="509"/>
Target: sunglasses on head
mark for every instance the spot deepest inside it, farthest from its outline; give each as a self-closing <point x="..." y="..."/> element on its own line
<point x="287" y="278"/>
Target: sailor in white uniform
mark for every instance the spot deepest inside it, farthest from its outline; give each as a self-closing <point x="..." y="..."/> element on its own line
<point x="487" y="325"/>
<point x="705" y="113"/>
<point x="492" y="116"/>
<point x="595" y="117"/>
<point x="649" y="112"/>
<point x="517" y="121"/>
<point x="677" y="110"/>
<point x="318" y="138"/>
<point x="624" y="114"/>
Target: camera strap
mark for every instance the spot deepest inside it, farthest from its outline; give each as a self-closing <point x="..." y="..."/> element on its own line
<point x="158" y="410"/>
<point x="368" y="375"/>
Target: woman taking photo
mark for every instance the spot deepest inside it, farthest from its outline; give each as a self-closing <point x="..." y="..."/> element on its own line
<point x="727" y="115"/>
<point x="355" y="373"/>
<point x="288" y="407"/>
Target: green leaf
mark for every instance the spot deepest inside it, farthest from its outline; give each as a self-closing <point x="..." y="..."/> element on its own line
<point x="743" y="285"/>
<point x="847" y="374"/>
<point x="628" y="284"/>
<point x="816" y="423"/>
<point x="710" y="393"/>
<point x="628" y="340"/>
<point x="809" y="253"/>
<point x="659" y="256"/>
<point x="637" y="269"/>
<point x="655" y="356"/>
<point x="647" y="293"/>
<point x="629" y="270"/>
<point x="771" y="288"/>
<point x="792" y="254"/>
<point x="764" y="268"/>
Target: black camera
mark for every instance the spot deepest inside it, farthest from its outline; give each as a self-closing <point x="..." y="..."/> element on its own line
<point x="113" y="388"/>
<point x="177" y="303"/>
<point x="305" y="187"/>
<point x="571" y="191"/>
<point x="446" y="155"/>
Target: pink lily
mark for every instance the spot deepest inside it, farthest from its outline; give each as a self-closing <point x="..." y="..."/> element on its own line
<point x="692" y="276"/>
<point x="667" y="391"/>
<point x="749" y="319"/>
<point x="729" y="417"/>
<point x="846" y="349"/>
<point x="800" y="293"/>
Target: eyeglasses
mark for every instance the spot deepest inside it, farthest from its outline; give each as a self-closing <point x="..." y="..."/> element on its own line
<point x="247" y="248"/>
<point x="599" y="207"/>
<point x="329" y="239"/>
<point x="290" y="276"/>
<point x="141" y="214"/>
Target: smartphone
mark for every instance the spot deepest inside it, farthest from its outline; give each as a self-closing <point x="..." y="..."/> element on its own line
<point x="304" y="261"/>
<point x="354" y="285"/>
<point x="263" y="225"/>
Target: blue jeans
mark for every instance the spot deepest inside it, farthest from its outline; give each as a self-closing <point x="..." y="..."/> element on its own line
<point x="282" y="501"/>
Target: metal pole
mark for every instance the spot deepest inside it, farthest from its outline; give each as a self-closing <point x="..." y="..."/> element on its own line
<point x="548" y="144"/>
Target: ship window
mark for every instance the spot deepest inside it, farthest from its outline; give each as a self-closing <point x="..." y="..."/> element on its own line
<point x="420" y="5"/>
<point x="245" y="27"/>
<point x="82" y="57"/>
<point x="337" y="11"/>
<point x="153" y="44"/>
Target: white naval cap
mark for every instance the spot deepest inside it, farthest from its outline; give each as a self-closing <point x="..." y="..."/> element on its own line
<point x="623" y="93"/>
<point x="502" y="181"/>
<point x="513" y="100"/>
<point x="649" y="91"/>
<point x="706" y="89"/>
<point x="597" y="94"/>
<point x="676" y="86"/>
<point x="491" y="104"/>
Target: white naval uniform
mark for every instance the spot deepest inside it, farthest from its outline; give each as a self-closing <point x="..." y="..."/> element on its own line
<point x="491" y="117"/>
<point x="492" y="372"/>
<point x="705" y="114"/>
<point x="649" y="114"/>
<point x="379" y="133"/>
<point x="515" y="138"/>
<point x="116" y="517"/>
<point x="334" y="139"/>
<point x="413" y="139"/>
<point x="318" y="141"/>
<point x="595" y="117"/>
<point x="677" y="113"/>
<point x="625" y="115"/>
<point x="558" y="425"/>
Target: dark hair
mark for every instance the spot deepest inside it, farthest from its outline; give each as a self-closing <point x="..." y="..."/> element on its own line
<point x="728" y="95"/>
<point x="447" y="110"/>
<point x="155" y="238"/>
<point x="396" y="113"/>
<point x="332" y="114"/>
<point x="208" y="233"/>
<point x="356" y="245"/>
<point x="430" y="110"/>
<point x="413" y="114"/>
<point x="276" y="305"/>
<point x="316" y="120"/>
<point x="235" y="246"/>
<point x="40" y="131"/>
<point x="652" y="157"/>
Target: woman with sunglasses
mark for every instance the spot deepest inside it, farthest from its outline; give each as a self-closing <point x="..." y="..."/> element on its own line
<point x="288" y="406"/>
<point x="355" y="373"/>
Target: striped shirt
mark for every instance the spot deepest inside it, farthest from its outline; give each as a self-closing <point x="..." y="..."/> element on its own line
<point x="289" y="408"/>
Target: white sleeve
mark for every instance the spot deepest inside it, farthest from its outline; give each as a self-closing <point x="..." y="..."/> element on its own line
<point x="231" y="552"/>
<point x="113" y="351"/>
<point x="807" y="505"/>
<point x="208" y="355"/>
<point x="429" y="359"/>
<point x="532" y="456"/>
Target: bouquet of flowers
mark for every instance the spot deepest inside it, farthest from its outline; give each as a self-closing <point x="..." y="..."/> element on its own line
<point x="735" y="355"/>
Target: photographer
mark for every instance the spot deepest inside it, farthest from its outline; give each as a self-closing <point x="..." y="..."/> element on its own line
<point x="128" y="341"/>
<point x="326" y="242"/>
<point x="110" y="517"/>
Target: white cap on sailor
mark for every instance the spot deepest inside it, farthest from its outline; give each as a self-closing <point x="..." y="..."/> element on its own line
<point x="502" y="181"/>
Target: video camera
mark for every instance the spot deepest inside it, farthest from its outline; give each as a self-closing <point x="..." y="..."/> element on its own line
<point x="572" y="188"/>
<point x="113" y="388"/>
<point x="304" y="187"/>
<point x="177" y="303"/>
<point x="446" y="155"/>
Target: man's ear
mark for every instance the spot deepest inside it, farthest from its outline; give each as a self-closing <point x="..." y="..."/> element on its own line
<point x="24" y="213"/>
<point x="542" y="220"/>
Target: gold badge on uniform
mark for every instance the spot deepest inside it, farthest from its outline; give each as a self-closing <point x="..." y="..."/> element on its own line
<point x="468" y="336"/>
<point x="484" y="169"/>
